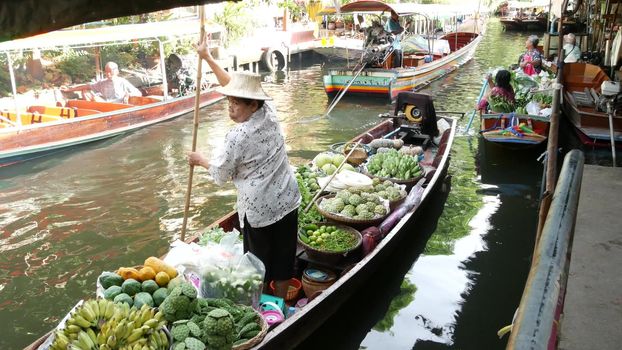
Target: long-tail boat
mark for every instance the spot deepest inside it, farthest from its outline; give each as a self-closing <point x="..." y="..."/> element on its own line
<point x="514" y="130"/>
<point x="435" y="162"/>
<point x="34" y="129"/>
<point x="583" y="107"/>
<point x="375" y="74"/>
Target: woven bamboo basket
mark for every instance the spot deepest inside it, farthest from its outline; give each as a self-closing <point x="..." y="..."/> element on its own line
<point x="332" y="257"/>
<point x="358" y="156"/>
<point x="344" y="220"/>
<point x="255" y="340"/>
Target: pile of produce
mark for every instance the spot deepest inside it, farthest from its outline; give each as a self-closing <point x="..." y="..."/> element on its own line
<point x="328" y="162"/>
<point x="147" y="286"/>
<point x="327" y="238"/>
<point x="102" y="324"/>
<point x="180" y="302"/>
<point x="377" y="144"/>
<point x="354" y="204"/>
<point x="213" y="235"/>
<point x="239" y="283"/>
<point x="394" y="164"/>
<point x="216" y="324"/>
<point x="308" y="187"/>
<point x="388" y="190"/>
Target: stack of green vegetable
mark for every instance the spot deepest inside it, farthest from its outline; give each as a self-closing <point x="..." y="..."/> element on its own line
<point x="133" y="292"/>
<point x="355" y="205"/>
<point x="216" y="324"/>
<point x="308" y="186"/>
<point x="327" y="238"/>
<point x="393" y="164"/>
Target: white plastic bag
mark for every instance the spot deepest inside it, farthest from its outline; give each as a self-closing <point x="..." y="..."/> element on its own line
<point x="533" y="108"/>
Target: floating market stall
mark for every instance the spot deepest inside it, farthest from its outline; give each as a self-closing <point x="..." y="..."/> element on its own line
<point x="523" y="122"/>
<point x="209" y="292"/>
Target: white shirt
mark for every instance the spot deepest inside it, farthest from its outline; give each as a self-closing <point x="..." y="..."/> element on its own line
<point x="115" y="89"/>
<point x="572" y="53"/>
<point x="254" y="158"/>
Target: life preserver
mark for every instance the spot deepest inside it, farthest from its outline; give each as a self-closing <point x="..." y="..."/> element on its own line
<point x="274" y="60"/>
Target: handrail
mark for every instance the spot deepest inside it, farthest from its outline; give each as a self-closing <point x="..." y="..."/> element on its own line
<point x="546" y="283"/>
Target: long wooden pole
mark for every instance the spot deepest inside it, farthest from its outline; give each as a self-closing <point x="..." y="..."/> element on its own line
<point x="195" y="127"/>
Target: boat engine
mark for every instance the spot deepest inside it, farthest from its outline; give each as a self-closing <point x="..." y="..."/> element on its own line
<point x="377" y="46"/>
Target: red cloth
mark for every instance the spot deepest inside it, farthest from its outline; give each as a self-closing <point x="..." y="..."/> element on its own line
<point x="496" y="91"/>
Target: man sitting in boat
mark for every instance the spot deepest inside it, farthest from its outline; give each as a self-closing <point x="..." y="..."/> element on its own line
<point x="531" y="60"/>
<point x="393" y="26"/>
<point x="572" y="53"/>
<point x="112" y="89"/>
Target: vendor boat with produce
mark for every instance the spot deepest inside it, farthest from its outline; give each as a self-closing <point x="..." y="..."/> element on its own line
<point x="389" y="64"/>
<point x="209" y="291"/>
<point x="515" y="108"/>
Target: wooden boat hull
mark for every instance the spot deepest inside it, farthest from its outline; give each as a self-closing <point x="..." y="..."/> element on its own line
<point x="493" y="126"/>
<point x="296" y="328"/>
<point x="591" y="125"/>
<point x="35" y="140"/>
<point x="387" y="83"/>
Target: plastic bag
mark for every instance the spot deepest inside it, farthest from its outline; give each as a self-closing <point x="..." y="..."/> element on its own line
<point x="239" y="279"/>
<point x="533" y="108"/>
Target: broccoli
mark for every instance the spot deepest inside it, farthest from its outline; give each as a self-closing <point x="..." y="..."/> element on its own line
<point x="366" y="215"/>
<point x="370" y="206"/>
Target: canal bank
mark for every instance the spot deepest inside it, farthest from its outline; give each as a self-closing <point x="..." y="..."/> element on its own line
<point x="592" y="316"/>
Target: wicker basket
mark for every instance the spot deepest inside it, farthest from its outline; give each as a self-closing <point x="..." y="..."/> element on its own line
<point x="358" y="156"/>
<point x="344" y="220"/>
<point x="255" y="340"/>
<point x="332" y="257"/>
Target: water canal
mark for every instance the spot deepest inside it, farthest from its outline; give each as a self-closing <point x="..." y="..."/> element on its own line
<point x="66" y="217"/>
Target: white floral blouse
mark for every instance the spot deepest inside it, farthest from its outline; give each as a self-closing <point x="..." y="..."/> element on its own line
<point x="254" y="158"/>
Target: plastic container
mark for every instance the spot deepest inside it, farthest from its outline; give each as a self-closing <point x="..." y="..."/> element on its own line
<point x="292" y="290"/>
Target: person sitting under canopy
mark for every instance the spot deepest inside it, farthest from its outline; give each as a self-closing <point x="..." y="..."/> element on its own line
<point x="112" y="89"/>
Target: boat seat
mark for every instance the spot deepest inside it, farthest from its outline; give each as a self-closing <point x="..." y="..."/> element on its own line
<point x="96" y="105"/>
<point x="28" y="118"/>
<point x="65" y="112"/>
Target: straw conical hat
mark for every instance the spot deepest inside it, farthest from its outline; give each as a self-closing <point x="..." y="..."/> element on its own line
<point x="245" y="85"/>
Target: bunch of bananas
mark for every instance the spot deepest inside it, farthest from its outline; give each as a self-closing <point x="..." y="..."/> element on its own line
<point x="102" y="324"/>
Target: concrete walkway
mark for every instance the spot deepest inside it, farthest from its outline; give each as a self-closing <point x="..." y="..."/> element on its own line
<point x="593" y="306"/>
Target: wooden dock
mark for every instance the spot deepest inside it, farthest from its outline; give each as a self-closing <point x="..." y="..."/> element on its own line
<point x="592" y="316"/>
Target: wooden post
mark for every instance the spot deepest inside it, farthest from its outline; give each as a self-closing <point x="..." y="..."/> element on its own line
<point x="195" y="128"/>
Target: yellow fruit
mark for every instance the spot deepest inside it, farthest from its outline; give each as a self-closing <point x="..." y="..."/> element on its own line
<point x="146" y="273"/>
<point x="129" y="272"/>
<point x="162" y="279"/>
<point x="158" y="265"/>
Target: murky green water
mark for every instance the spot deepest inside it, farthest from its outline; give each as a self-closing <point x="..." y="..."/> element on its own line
<point x="66" y="217"/>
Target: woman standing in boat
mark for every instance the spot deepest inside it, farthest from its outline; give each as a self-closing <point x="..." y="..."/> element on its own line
<point x="254" y="158"/>
<point x="531" y="60"/>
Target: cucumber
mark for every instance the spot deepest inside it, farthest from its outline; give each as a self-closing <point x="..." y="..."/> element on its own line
<point x="311" y="227"/>
<point x="248" y="328"/>
<point x="304" y="238"/>
<point x="250" y="334"/>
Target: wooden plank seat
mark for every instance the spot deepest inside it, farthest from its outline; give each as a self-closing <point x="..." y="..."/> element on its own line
<point x="65" y="112"/>
<point x="96" y="105"/>
<point x="28" y="118"/>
